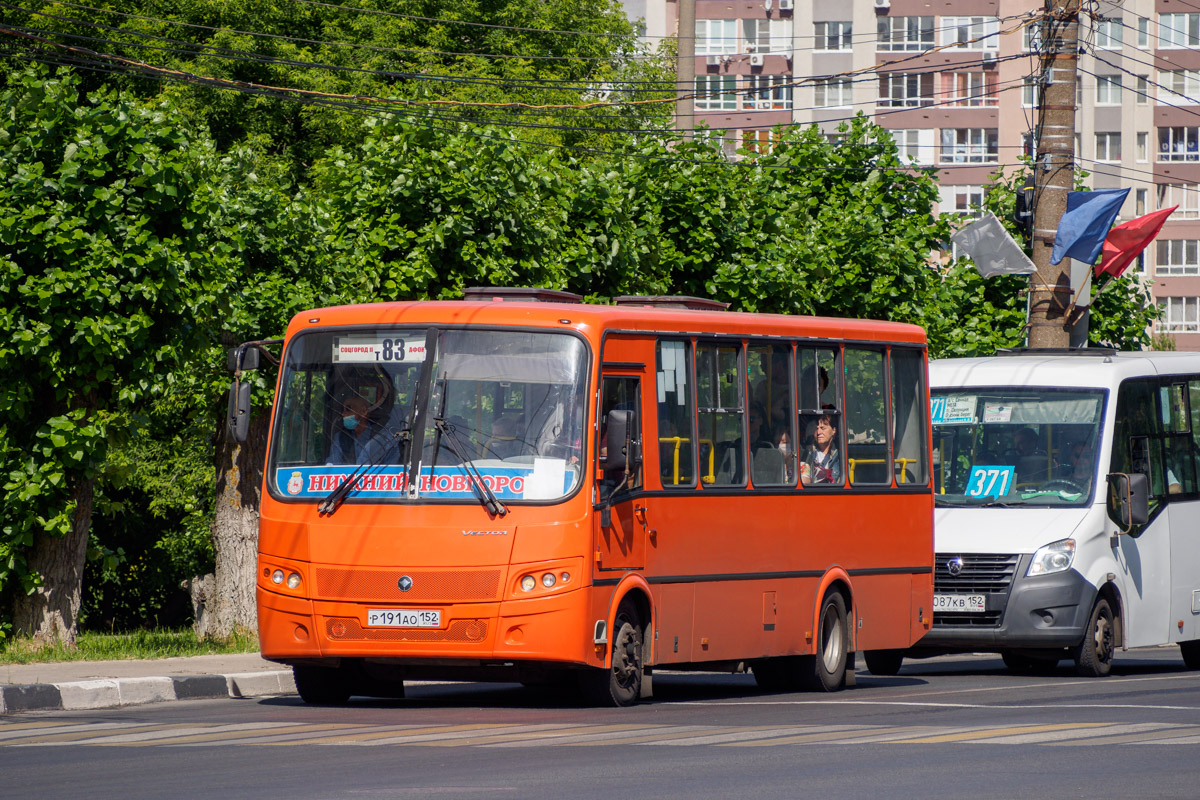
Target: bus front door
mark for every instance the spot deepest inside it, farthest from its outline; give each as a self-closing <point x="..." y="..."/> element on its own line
<point x="620" y="518"/>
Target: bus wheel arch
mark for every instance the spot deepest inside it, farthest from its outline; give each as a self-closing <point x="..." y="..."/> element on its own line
<point x="825" y="669"/>
<point x="1094" y="654"/>
<point x="623" y="679"/>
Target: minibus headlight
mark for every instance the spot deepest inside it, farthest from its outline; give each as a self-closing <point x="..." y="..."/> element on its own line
<point x="548" y="579"/>
<point x="277" y="576"/>
<point x="294" y="580"/>
<point x="527" y="583"/>
<point x="1054" y="557"/>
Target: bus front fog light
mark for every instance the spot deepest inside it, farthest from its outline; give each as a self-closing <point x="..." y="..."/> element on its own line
<point x="565" y="577"/>
<point x="548" y="579"/>
<point x="277" y="576"/>
<point x="527" y="583"/>
<point x="1054" y="557"/>
<point x="293" y="580"/>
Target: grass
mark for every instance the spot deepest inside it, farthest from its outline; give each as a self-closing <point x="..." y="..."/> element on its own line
<point x="122" y="646"/>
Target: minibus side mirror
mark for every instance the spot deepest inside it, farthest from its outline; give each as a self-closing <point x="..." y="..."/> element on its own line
<point x="620" y="452"/>
<point x="1128" y="499"/>
<point x="238" y="421"/>
<point x="250" y="358"/>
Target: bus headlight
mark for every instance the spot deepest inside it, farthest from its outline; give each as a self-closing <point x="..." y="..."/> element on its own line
<point x="1054" y="557"/>
<point x="277" y="576"/>
<point x="548" y="579"/>
<point x="293" y="580"/>
<point x="527" y="583"/>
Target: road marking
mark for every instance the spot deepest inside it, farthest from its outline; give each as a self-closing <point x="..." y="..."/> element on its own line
<point x="973" y="735"/>
<point x="248" y="736"/>
<point x="538" y="738"/>
<point x="817" y="733"/>
<point x="150" y="736"/>
<point x="618" y="734"/>
<point x="737" y="736"/>
<point x="390" y="733"/>
<point x="46" y="728"/>
<point x="1163" y="732"/>
<point x="915" y="704"/>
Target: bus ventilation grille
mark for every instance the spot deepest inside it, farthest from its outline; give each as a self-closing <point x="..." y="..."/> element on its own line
<point x="443" y="586"/>
<point x="460" y="630"/>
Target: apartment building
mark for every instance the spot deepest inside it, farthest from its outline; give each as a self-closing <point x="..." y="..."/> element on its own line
<point x="956" y="81"/>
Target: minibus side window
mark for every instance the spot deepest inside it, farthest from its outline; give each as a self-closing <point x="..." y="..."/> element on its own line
<point x="771" y="415"/>
<point x="867" y="457"/>
<point x="1137" y="447"/>
<point x="720" y="413"/>
<point x="908" y="404"/>
<point x="1177" y="443"/>
<point x="819" y="374"/>
<point x="676" y="407"/>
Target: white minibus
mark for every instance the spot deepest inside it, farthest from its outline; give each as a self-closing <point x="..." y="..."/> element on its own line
<point x="1067" y="493"/>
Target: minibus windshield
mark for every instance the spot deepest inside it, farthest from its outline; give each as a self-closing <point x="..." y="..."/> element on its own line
<point x="1015" y="447"/>
<point x="501" y="407"/>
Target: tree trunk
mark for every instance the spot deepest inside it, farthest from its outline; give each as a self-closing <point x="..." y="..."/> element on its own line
<point x="51" y="613"/>
<point x="228" y="602"/>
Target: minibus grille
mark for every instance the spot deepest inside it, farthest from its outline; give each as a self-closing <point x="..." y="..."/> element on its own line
<point x="981" y="573"/>
<point x="344" y="629"/>
<point x="427" y="586"/>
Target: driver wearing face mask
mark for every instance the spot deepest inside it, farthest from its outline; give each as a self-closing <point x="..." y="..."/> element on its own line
<point x="352" y="439"/>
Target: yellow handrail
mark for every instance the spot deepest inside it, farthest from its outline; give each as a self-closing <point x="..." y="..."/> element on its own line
<point x="679" y="441"/>
<point x="903" y="462"/>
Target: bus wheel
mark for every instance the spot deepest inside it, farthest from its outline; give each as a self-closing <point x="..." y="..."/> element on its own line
<point x="622" y="684"/>
<point x="776" y="674"/>
<point x="826" y="670"/>
<point x="1094" y="656"/>
<point x="321" y="686"/>
<point x="1191" y="653"/>
<point x="884" y="662"/>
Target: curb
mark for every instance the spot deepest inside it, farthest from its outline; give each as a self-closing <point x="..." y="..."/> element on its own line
<point x="117" y="692"/>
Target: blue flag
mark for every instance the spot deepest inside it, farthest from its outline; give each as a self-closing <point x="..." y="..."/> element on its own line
<point x="1085" y="223"/>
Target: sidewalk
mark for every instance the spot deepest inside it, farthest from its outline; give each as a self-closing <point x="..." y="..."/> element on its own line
<point x="74" y="685"/>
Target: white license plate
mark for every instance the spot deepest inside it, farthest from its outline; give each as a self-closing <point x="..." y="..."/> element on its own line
<point x="410" y="618"/>
<point x="960" y="603"/>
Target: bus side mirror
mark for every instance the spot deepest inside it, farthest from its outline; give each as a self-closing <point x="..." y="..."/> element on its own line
<point x="249" y="355"/>
<point x="1128" y="499"/>
<point x="620" y="449"/>
<point x="238" y="420"/>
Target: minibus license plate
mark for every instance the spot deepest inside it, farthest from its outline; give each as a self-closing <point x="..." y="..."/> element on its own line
<point x="412" y="618"/>
<point x="960" y="603"/>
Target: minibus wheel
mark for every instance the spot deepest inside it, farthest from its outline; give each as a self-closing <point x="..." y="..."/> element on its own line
<point x="1191" y="653"/>
<point x="1029" y="665"/>
<point x="825" y="671"/>
<point x="321" y="686"/>
<point x="884" y="662"/>
<point x="621" y="684"/>
<point x="1094" y="655"/>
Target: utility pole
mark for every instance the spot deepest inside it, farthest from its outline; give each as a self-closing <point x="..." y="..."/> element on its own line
<point x="686" y="71"/>
<point x="1050" y="287"/>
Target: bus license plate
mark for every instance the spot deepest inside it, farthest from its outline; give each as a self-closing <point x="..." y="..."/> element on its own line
<point x="960" y="603"/>
<point x="411" y="618"/>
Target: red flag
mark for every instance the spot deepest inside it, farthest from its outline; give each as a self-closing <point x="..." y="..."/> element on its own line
<point x="1125" y="241"/>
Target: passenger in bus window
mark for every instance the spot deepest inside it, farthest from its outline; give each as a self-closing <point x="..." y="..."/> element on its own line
<point x="356" y="440"/>
<point x="823" y="464"/>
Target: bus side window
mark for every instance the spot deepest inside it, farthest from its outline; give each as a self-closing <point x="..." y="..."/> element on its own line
<point x="772" y="416"/>
<point x="618" y="393"/>
<point x="867" y="456"/>
<point x="1137" y="445"/>
<point x="908" y="401"/>
<point x="820" y="460"/>
<point x="720" y="413"/>
<point x="1177" y="441"/>
<point x="676" y="406"/>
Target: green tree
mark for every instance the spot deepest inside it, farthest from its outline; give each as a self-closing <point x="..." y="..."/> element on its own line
<point x="110" y="276"/>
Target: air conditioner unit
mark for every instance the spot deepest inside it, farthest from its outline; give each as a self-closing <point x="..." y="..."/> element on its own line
<point x="756" y="59"/>
<point x="751" y="47"/>
<point x="787" y="5"/>
<point x="883" y="4"/>
<point x="989" y="61"/>
<point x="713" y="61"/>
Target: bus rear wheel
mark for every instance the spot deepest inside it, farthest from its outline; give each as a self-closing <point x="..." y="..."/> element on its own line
<point x="826" y="670"/>
<point x="321" y="686"/>
<point x="621" y="684"/>
<point x="1191" y="653"/>
<point x="1094" y="655"/>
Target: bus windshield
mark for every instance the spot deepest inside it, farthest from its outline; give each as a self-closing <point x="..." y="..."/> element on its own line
<point x="1015" y="447"/>
<point x="504" y="407"/>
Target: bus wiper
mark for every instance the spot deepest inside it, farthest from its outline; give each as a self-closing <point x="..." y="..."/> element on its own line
<point x="334" y="499"/>
<point x="486" y="495"/>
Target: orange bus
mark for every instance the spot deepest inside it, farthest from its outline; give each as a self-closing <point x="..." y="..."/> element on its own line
<point x="520" y="486"/>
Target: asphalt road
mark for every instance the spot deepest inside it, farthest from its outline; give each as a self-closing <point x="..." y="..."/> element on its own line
<point x="948" y="727"/>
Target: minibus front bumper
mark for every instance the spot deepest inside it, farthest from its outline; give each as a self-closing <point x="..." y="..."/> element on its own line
<point x="1034" y="612"/>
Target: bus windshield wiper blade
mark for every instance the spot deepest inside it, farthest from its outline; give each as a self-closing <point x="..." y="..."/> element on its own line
<point x="485" y="495"/>
<point x="334" y="499"/>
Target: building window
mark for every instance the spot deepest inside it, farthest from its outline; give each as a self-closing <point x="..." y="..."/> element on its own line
<point x="1108" y="147"/>
<point x="971" y="33"/>
<point x="757" y="142"/>
<point x="767" y="35"/>
<point x="914" y="144"/>
<point x="900" y="90"/>
<point x="1178" y="144"/>
<point x="834" y="36"/>
<point x="1143" y="32"/>
<point x="1184" y="195"/>
<point x="768" y="92"/>
<point x="1178" y="257"/>
<point x="1028" y="145"/>
<point x="1139" y="202"/>
<point x="1178" y="30"/>
<point x="716" y="37"/>
<point x="1029" y="92"/>
<point x="1108" y="90"/>
<point x="1179" y="314"/>
<point x="833" y="92"/>
<point x="969" y="146"/>
<point x="1180" y="86"/>
<point x="1031" y="38"/>
<point x="1143" y="90"/>
<point x="1143" y="147"/>
<point x="716" y="93"/>
<point x="969" y="88"/>
<point x="904" y="33"/>
<point x="1108" y="33"/>
<point x="965" y="200"/>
